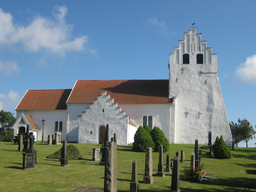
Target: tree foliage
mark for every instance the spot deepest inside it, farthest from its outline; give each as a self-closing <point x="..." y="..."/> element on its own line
<point x="72" y="153"/>
<point x="147" y="129"/>
<point x="242" y="131"/>
<point x="159" y="139"/>
<point x="142" y="139"/>
<point x="220" y="149"/>
<point x="6" y="122"/>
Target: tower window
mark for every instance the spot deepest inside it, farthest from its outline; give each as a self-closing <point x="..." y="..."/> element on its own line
<point x="145" y="121"/>
<point x="200" y="58"/>
<point x="185" y="58"/>
<point x="56" y="126"/>
<point x="150" y="122"/>
<point x="60" y="128"/>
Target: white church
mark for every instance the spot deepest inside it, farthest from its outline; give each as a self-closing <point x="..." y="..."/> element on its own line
<point x="186" y="106"/>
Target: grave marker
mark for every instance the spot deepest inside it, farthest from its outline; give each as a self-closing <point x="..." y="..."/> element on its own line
<point x="175" y="186"/>
<point x="134" y="185"/>
<point x="148" y="178"/>
<point x="20" y="148"/>
<point x="160" y="164"/>
<point x="96" y="154"/>
<point x="50" y="139"/>
<point x="64" y="154"/>
<point x="168" y="167"/>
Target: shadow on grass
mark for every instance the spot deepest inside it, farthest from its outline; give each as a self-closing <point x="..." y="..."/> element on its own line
<point x="14" y="167"/>
<point x="246" y="165"/>
<point x="251" y="156"/>
<point x="12" y="150"/>
<point x="251" y="171"/>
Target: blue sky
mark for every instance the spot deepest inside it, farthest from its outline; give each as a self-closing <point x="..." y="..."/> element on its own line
<point x="51" y="44"/>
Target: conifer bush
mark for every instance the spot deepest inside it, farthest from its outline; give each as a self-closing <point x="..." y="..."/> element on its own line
<point x="221" y="150"/>
<point x="142" y="139"/>
<point x="159" y="139"/>
<point x="72" y="153"/>
<point x="147" y="129"/>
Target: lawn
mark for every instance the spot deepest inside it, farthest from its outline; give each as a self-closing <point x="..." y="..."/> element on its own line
<point x="230" y="174"/>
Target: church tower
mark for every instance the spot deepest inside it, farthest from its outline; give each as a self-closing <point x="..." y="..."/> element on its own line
<point x="198" y="105"/>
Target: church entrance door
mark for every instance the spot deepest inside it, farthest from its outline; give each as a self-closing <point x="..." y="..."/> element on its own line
<point x="102" y="134"/>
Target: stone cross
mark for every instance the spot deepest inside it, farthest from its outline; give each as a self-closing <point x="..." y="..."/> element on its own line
<point x="30" y="144"/>
<point x="196" y="155"/>
<point x="182" y="156"/>
<point x="20" y="148"/>
<point x="96" y="154"/>
<point x="26" y="142"/>
<point x="175" y="186"/>
<point x="134" y="185"/>
<point x="148" y="178"/>
<point x="168" y="167"/>
<point x="64" y="154"/>
<point x="193" y="160"/>
<point x="198" y="114"/>
<point x="160" y="171"/>
<point x="110" y="178"/>
<point x="186" y="114"/>
<point x="182" y="69"/>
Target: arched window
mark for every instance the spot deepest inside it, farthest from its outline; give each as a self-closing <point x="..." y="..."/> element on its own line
<point x="60" y="128"/>
<point x="150" y="122"/>
<point x="200" y="58"/>
<point x="145" y="121"/>
<point x="56" y="126"/>
<point x="185" y="58"/>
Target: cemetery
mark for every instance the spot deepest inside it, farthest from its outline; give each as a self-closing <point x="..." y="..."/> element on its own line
<point x="127" y="170"/>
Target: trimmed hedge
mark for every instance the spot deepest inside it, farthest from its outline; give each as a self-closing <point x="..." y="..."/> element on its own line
<point x="142" y="139"/>
<point x="159" y="139"/>
<point x="72" y="152"/>
<point x="147" y="129"/>
<point x="220" y="149"/>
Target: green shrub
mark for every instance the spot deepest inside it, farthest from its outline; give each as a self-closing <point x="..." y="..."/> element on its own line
<point x="159" y="139"/>
<point x="220" y="149"/>
<point x="142" y="139"/>
<point x="72" y="153"/>
<point x="147" y="129"/>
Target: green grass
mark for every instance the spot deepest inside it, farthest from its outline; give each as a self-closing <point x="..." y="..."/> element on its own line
<point x="230" y="174"/>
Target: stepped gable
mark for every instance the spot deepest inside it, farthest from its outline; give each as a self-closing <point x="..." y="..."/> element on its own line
<point x="122" y="91"/>
<point x="44" y="100"/>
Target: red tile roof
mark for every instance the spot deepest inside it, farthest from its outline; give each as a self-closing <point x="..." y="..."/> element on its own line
<point x="31" y="122"/>
<point x="122" y="91"/>
<point x="44" y="100"/>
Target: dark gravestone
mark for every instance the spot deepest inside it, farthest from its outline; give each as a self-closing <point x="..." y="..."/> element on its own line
<point x="88" y="189"/>
<point x="192" y="162"/>
<point x="110" y="178"/>
<point x="134" y="185"/>
<point x="96" y="154"/>
<point x="64" y="154"/>
<point x="26" y="141"/>
<point x="50" y="139"/>
<point x="20" y="148"/>
<point x="175" y="186"/>
<point x="210" y="141"/>
<point x="160" y="171"/>
<point x="28" y="161"/>
<point x="31" y="148"/>
<point x="148" y="178"/>
<point x="178" y="154"/>
<point x="168" y="166"/>
<point x="102" y="161"/>
<point x="196" y="155"/>
<point x="182" y="156"/>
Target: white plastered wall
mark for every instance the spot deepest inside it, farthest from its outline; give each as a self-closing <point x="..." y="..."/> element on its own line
<point x="199" y="105"/>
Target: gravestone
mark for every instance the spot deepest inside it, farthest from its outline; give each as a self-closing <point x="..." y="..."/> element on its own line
<point x="28" y="161"/>
<point x="168" y="167"/>
<point x="178" y="154"/>
<point x="96" y="154"/>
<point x="115" y="138"/>
<point x="148" y="178"/>
<point x="192" y="162"/>
<point x="31" y="148"/>
<point x="110" y="178"/>
<point x="171" y="163"/>
<point x="57" y="138"/>
<point x="182" y="156"/>
<point x="26" y="141"/>
<point x="160" y="171"/>
<point x="20" y="148"/>
<point x="196" y="155"/>
<point x="175" y="186"/>
<point x="102" y="161"/>
<point x="134" y="185"/>
<point x="64" y="154"/>
<point x="50" y="139"/>
<point x="210" y="141"/>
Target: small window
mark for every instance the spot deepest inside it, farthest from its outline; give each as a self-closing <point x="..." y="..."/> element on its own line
<point x="185" y="58"/>
<point x="145" y="121"/>
<point x="90" y="132"/>
<point x="150" y="122"/>
<point x="60" y="128"/>
<point x="103" y="110"/>
<point x="200" y="58"/>
<point x="56" y="126"/>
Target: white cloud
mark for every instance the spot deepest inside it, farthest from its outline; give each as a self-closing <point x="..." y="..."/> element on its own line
<point x="11" y="98"/>
<point x="246" y="72"/>
<point x="9" y="67"/>
<point x="162" y="28"/>
<point x="42" y="33"/>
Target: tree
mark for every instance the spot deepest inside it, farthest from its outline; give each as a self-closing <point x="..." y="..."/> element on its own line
<point x="6" y="122"/>
<point x="159" y="139"/>
<point x="242" y="131"/>
<point x="142" y="139"/>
